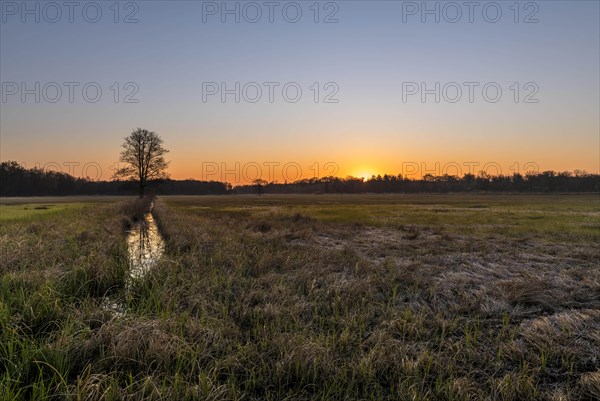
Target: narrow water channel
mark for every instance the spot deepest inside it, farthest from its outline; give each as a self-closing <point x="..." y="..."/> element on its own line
<point x="145" y="246"/>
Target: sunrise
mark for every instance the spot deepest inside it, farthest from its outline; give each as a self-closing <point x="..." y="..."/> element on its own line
<point x="300" y="200"/>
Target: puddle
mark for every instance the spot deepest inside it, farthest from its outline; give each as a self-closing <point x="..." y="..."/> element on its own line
<point x="145" y="246"/>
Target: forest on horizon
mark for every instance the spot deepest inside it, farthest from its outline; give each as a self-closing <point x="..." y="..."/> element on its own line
<point x="19" y="181"/>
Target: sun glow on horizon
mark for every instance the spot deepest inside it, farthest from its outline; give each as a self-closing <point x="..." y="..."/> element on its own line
<point x="365" y="174"/>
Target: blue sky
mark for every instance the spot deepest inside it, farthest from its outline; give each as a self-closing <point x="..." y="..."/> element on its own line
<point x="368" y="54"/>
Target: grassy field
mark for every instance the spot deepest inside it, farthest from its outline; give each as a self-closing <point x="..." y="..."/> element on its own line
<point x="34" y="207"/>
<point x="404" y="297"/>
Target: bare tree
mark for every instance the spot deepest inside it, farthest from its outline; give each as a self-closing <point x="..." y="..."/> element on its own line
<point x="143" y="155"/>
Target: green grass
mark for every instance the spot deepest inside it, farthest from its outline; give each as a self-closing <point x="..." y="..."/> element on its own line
<point x="537" y="215"/>
<point x="34" y="211"/>
<point x="32" y="208"/>
<point x="433" y="297"/>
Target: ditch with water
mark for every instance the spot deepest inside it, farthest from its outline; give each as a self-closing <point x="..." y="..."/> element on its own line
<point x="145" y="246"/>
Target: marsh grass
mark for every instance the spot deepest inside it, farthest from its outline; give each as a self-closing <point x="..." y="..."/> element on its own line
<point x="273" y="299"/>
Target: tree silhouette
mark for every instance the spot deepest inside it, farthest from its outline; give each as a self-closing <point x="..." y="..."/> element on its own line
<point x="143" y="155"/>
<point x="259" y="184"/>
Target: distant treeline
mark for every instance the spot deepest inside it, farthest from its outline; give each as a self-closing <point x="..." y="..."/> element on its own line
<point x="548" y="181"/>
<point x="16" y="180"/>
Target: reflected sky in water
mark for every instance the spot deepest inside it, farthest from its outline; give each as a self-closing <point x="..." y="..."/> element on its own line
<point x="145" y="246"/>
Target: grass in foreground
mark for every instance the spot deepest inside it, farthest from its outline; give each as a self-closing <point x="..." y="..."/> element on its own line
<point x="286" y="298"/>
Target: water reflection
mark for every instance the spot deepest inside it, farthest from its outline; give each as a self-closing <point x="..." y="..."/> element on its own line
<point x="145" y="246"/>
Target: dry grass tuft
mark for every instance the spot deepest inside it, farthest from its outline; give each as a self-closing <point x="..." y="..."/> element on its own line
<point x="531" y="291"/>
<point x="590" y="384"/>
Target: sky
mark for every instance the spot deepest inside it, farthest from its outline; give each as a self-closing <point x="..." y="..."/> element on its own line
<point x="288" y="90"/>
